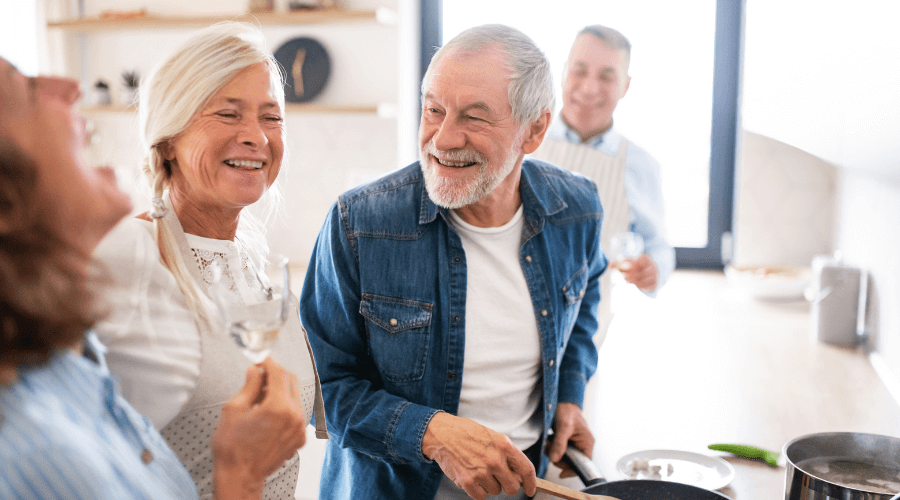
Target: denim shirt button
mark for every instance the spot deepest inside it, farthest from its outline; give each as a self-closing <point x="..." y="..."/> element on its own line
<point x="451" y="375"/>
<point x="551" y="362"/>
<point x="527" y="258"/>
<point x="393" y="322"/>
<point x="456" y="318"/>
<point x="543" y="312"/>
<point x="456" y="259"/>
<point x="581" y="293"/>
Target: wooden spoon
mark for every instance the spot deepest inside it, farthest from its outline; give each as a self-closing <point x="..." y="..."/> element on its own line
<point x="563" y="492"/>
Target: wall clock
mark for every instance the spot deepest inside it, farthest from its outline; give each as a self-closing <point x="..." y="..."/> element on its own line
<point x="306" y="66"/>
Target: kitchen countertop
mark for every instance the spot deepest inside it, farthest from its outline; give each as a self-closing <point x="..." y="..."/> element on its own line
<point x="705" y="363"/>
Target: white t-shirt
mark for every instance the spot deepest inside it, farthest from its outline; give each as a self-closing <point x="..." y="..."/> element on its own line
<point x="502" y="366"/>
<point x="501" y="386"/>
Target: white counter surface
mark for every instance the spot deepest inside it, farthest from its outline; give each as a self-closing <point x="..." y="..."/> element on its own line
<point x="704" y="363"/>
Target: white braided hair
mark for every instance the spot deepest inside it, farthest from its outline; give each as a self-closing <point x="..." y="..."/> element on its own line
<point x="169" y="99"/>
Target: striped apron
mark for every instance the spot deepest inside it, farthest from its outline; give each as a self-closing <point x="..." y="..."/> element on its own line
<point x="608" y="172"/>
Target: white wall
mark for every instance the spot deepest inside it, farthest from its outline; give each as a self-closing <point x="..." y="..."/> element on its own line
<point x="786" y="204"/>
<point x="822" y="76"/>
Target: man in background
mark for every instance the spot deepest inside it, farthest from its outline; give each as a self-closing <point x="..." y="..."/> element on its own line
<point x="594" y="80"/>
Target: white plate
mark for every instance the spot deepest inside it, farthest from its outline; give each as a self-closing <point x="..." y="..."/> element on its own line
<point x="695" y="469"/>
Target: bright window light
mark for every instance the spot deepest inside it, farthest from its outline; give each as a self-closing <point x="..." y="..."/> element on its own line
<point x="18" y="34"/>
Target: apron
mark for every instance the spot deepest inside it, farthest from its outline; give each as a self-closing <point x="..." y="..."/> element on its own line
<point x="222" y="374"/>
<point x="608" y="172"/>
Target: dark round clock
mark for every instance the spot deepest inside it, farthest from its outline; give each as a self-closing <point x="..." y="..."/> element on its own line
<point x="306" y="66"/>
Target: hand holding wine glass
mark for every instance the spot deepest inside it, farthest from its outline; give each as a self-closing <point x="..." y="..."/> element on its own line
<point x="254" y="327"/>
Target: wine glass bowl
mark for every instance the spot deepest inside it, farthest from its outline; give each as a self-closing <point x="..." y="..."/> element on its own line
<point x="625" y="246"/>
<point x="255" y="326"/>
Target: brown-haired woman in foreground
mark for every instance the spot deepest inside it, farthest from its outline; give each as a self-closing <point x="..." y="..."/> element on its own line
<point x="65" y="432"/>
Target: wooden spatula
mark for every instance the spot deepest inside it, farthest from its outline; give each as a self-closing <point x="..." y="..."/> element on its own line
<point x="563" y="492"/>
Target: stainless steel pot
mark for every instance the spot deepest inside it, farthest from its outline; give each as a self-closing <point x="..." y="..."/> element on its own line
<point x="842" y="466"/>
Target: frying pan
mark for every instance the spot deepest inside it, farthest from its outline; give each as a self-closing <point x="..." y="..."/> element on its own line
<point x="633" y="489"/>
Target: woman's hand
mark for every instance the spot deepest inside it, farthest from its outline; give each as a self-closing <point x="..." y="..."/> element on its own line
<point x="261" y="427"/>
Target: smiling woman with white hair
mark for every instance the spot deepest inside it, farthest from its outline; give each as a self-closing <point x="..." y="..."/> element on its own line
<point x="212" y="126"/>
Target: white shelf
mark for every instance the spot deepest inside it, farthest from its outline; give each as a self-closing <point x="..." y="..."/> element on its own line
<point x="383" y="110"/>
<point x="150" y="21"/>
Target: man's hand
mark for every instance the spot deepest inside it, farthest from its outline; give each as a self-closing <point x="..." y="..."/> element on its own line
<point x="641" y="271"/>
<point x="480" y="461"/>
<point x="569" y="425"/>
<point x="261" y="427"/>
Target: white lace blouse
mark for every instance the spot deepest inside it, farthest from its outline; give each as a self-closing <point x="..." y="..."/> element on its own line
<point x="152" y="337"/>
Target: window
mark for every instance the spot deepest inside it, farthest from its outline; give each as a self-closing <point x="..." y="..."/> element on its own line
<point x="18" y="35"/>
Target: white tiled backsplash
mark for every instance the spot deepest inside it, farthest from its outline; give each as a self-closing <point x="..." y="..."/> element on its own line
<point x="785" y="204"/>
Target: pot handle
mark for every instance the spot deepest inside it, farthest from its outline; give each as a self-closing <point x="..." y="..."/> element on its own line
<point x="583" y="466"/>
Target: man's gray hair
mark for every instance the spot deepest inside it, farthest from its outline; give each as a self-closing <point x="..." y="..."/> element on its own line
<point x="531" y="81"/>
<point x="612" y="37"/>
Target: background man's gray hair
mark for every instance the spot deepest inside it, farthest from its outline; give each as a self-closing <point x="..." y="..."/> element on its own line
<point x="531" y="81"/>
<point x="611" y="37"/>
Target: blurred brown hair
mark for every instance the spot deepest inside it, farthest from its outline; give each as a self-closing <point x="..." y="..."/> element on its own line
<point x="45" y="287"/>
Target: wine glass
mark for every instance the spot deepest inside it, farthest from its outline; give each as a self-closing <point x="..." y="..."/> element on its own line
<point x="254" y="327"/>
<point x="625" y="246"/>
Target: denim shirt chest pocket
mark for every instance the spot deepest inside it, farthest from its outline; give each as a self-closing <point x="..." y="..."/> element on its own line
<point x="573" y="292"/>
<point x="399" y="335"/>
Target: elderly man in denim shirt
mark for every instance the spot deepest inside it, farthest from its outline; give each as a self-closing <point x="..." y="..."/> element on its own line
<point x="451" y="304"/>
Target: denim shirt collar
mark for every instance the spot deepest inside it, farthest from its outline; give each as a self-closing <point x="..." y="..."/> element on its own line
<point x="538" y="197"/>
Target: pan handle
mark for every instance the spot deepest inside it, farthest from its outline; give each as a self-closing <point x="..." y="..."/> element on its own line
<point x="583" y="466"/>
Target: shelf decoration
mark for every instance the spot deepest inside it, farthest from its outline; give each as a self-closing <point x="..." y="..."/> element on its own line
<point x="129" y="90"/>
<point x="306" y="66"/>
<point x="100" y="96"/>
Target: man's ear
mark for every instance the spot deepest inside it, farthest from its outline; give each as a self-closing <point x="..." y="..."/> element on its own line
<point x="536" y="131"/>
<point x="625" y="87"/>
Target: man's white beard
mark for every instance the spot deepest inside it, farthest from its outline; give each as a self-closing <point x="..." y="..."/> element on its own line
<point x="456" y="193"/>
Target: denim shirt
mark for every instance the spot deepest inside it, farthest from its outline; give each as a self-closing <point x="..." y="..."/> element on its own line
<point x="384" y="302"/>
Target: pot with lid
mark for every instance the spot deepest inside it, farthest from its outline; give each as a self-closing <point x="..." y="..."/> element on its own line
<point x="842" y="466"/>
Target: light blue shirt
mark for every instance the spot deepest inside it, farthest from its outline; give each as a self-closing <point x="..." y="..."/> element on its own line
<point x="67" y="433"/>
<point x="642" y="187"/>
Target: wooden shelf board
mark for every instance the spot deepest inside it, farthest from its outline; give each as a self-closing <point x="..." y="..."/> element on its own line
<point x="289" y="108"/>
<point x="316" y="16"/>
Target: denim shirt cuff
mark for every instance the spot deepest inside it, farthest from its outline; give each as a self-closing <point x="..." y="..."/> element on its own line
<point x="572" y="386"/>
<point x="408" y="431"/>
